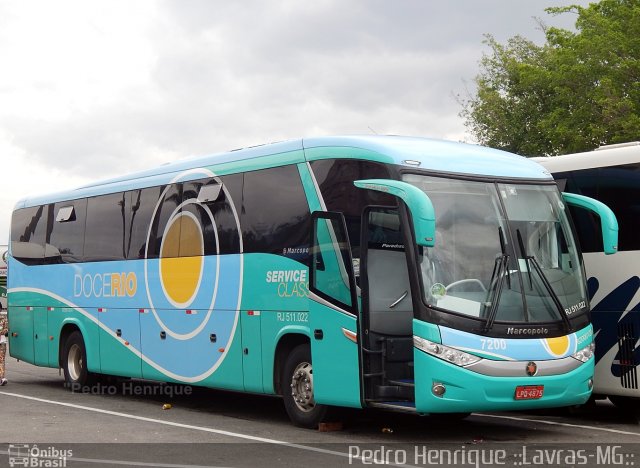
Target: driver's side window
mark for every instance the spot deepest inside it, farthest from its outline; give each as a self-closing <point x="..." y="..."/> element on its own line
<point x="335" y="179"/>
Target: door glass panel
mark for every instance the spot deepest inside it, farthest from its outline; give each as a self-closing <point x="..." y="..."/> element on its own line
<point x="331" y="269"/>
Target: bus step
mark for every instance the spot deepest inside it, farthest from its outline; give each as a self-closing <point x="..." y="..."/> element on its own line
<point x="404" y="406"/>
<point x="403" y="382"/>
<point x="394" y="392"/>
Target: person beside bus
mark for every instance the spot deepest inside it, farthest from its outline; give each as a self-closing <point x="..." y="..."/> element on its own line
<point x="4" y="331"/>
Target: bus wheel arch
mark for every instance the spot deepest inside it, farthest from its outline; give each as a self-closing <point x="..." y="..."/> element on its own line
<point x="285" y="345"/>
<point x="74" y="361"/>
<point x="66" y="331"/>
<point x="297" y="389"/>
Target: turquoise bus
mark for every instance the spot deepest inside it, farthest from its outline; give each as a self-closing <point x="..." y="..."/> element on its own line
<point x="381" y="271"/>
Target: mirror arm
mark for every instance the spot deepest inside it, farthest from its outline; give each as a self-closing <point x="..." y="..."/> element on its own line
<point x="608" y="219"/>
<point x="420" y="206"/>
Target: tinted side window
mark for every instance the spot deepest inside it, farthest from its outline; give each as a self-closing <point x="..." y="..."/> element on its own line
<point x="619" y="188"/>
<point x="197" y="228"/>
<point x="105" y="237"/>
<point x="215" y="217"/>
<point x="229" y="232"/>
<point x="335" y="178"/>
<point x="28" y="229"/>
<point x="275" y="213"/>
<point x="586" y="223"/>
<point x="65" y="232"/>
<point x="171" y="198"/>
<point x="142" y="203"/>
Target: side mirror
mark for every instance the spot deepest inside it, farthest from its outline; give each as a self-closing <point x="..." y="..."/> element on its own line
<point x="607" y="218"/>
<point x="420" y="206"/>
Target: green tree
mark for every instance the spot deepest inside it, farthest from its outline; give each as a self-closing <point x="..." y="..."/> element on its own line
<point x="574" y="93"/>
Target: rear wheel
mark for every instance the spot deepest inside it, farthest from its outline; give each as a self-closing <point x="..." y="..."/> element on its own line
<point x="74" y="363"/>
<point x="297" y="389"/>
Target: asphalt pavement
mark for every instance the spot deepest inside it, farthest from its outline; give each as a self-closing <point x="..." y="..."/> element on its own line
<point x="140" y="423"/>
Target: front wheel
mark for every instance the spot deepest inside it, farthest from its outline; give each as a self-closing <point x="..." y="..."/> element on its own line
<point x="74" y="363"/>
<point x="297" y="389"/>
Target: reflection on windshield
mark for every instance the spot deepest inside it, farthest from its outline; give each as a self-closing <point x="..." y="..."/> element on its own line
<point x="503" y="252"/>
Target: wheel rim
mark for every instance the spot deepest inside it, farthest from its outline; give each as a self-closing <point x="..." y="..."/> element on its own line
<point x="74" y="362"/>
<point x="302" y="387"/>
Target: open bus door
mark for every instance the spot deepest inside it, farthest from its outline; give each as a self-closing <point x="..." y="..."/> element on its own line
<point x="387" y="311"/>
<point x="341" y="356"/>
<point x="388" y="325"/>
<point x="333" y="314"/>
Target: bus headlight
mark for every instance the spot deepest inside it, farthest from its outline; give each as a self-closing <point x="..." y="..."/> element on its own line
<point x="454" y="356"/>
<point x="585" y="353"/>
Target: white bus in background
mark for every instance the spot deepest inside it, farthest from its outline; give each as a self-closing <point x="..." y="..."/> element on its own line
<point x="3" y="275"/>
<point x="610" y="174"/>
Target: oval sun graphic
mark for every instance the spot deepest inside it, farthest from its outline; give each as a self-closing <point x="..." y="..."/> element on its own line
<point x="181" y="259"/>
<point x="558" y="346"/>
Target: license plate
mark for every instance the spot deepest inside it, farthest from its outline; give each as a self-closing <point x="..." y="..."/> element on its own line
<point x="529" y="392"/>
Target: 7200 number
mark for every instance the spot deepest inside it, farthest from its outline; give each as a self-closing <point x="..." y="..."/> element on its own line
<point x="493" y="344"/>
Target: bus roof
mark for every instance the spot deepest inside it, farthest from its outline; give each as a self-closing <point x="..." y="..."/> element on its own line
<point x="605" y="156"/>
<point x="411" y="152"/>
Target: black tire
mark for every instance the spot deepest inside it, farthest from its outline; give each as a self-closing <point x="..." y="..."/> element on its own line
<point x="297" y="389"/>
<point x="628" y="404"/>
<point x="448" y="417"/>
<point x="574" y="410"/>
<point x="74" y="363"/>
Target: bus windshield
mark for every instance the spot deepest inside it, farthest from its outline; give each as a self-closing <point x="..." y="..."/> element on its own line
<point x="503" y="252"/>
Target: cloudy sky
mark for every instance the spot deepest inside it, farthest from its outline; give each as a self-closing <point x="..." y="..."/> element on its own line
<point x="92" y="89"/>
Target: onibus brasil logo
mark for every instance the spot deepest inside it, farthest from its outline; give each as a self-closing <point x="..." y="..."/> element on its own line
<point x="35" y="456"/>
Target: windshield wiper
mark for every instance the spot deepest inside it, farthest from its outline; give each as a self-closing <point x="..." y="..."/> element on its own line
<point x="497" y="280"/>
<point x="552" y="293"/>
<point x="525" y="256"/>
<point x="531" y="260"/>
<point x="503" y="248"/>
<point x="500" y="270"/>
